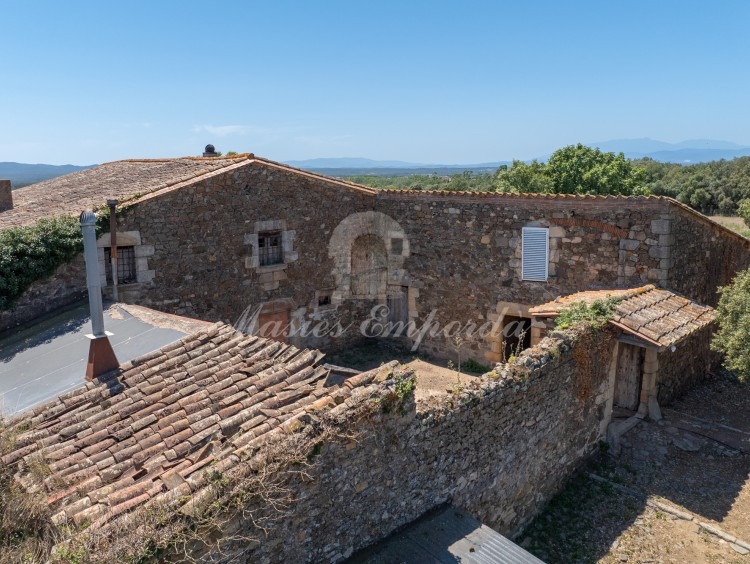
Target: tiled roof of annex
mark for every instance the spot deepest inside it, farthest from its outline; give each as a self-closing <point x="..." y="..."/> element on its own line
<point x="658" y="316"/>
<point x="152" y="431"/>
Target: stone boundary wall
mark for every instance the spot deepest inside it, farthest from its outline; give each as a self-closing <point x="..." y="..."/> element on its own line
<point x="686" y="366"/>
<point x="65" y="287"/>
<point x="499" y="450"/>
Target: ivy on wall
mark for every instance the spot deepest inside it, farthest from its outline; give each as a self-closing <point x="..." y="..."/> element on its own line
<point x="34" y="252"/>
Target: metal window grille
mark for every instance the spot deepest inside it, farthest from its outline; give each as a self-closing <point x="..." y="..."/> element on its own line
<point x="126" y="273"/>
<point x="270" y="248"/>
<point x="535" y="253"/>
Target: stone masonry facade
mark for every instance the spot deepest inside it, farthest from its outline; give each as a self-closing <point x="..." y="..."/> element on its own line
<point x="458" y="255"/>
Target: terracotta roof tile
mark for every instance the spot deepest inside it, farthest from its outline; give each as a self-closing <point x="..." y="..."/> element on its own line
<point x="153" y="438"/>
<point x="658" y="315"/>
<point x="69" y="194"/>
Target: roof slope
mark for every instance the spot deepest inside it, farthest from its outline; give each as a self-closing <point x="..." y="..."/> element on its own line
<point x="658" y="316"/>
<point x="72" y="193"/>
<point x="151" y="433"/>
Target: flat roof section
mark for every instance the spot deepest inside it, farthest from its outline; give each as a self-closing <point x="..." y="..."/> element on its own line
<point x="445" y="535"/>
<point x="44" y="360"/>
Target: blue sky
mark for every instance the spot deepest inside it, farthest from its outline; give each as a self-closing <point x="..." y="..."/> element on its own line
<point x="449" y="82"/>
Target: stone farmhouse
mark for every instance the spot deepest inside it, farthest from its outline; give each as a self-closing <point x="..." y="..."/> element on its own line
<point x="223" y="238"/>
<point x="263" y="250"/>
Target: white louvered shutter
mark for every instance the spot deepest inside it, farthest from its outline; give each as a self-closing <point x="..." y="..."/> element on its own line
<point x="535" y="253"/>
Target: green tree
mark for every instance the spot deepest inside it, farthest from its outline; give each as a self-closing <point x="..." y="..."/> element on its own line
<point x="743" y="210"/>
<point x="578" y="169"/>
<point x="733" y="315"/>
<point x="523" y="178"/>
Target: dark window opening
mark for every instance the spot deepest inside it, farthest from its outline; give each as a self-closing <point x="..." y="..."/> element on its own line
<point x="324" y="299"/>
<point x="397" y="246"/>
<point x="270" y="249"/>
<point x="126" y="273"/>
<point x="516" y="335"/>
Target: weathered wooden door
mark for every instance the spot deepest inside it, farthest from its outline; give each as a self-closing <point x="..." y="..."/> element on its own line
<point x="398" y="304"/>
<point x="369" y="267"/>
<point x="274" y="325"/>
<point x="629" y="376"/>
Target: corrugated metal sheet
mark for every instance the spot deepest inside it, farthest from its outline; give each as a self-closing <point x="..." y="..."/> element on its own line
<point x="446" y="535"/>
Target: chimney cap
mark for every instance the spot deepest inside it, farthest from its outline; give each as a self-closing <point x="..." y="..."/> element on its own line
<point x="88" y="218"/>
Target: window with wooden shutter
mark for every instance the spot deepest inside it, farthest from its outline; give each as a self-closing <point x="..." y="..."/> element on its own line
<point x="535" y="253"/>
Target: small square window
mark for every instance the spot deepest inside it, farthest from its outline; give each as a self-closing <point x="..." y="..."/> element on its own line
<point x="126" y="272"/>
<point x="397" y="246"/>
<point x="324" y="300"/>
<point x="270" y="249"/>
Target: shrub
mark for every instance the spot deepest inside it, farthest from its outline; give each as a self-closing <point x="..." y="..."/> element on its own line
<point x="34" y="252"/>
<point x="733" y="316"/>
<point x="475" y="367"/>
<point x="597" y="314"/>
<point x="743" y="210"/>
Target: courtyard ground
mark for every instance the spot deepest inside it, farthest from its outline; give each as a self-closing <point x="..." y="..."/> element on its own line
<point x="696" y="460"/>
<point x="433" y="377"/>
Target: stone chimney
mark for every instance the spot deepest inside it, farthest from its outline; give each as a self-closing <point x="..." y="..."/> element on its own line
<point x="210" y="151"/>
<point x="6" y="196"/>
<point x="102" y="357"/>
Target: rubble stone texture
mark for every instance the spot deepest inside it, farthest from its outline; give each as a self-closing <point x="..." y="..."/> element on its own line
<point x="459" y="254"/>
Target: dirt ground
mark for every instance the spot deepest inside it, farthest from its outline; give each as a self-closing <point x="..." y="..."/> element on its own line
<point x="696" y="460"/>
<point x="734" y="223"/>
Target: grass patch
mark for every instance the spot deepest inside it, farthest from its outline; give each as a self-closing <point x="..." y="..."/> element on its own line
<point x="474" y="367"/>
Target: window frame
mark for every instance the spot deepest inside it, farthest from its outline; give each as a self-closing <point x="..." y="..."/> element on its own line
<point x="125" y="254"/>
<point x="535" y="230"/>
<point x="278" y="253"/>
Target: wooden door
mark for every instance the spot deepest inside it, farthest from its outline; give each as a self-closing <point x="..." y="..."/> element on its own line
<point x="629" y="376"/>
<point x="274" y="325"/>
<point x="398" y="304"/>
<point x="369" y="267"/>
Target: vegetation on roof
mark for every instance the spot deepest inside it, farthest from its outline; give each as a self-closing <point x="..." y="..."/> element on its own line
<point x="595" y="315"/>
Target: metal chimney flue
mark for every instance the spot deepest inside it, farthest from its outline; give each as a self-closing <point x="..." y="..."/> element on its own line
<point x="102" y="357"/>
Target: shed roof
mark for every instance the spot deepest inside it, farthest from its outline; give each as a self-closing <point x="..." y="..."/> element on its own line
<point x="446" y="536"/>
<point x="658" y="316"/>
<point x="151" y="433"/>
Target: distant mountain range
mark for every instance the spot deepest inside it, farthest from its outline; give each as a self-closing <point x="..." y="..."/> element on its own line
<point x="684" y="152"/>
<point x="21" y="174"/>
<point x="356" y="162"/>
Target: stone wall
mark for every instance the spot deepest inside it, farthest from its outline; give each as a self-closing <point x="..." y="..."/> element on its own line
<point x="457" y="255"/>
<point x="65" y="287"/>
<point x="705" y="256"/>
<point x="466" y="252"/>
<point x="500" y="451"/>
<point x="686" y="366"/>
<point x="204" y="236"/>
